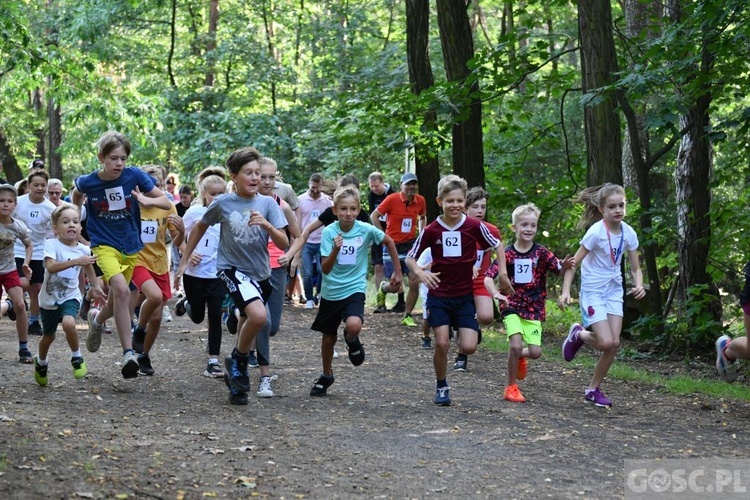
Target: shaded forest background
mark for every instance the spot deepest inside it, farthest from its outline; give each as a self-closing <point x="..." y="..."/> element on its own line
<point x="533" y="99"/>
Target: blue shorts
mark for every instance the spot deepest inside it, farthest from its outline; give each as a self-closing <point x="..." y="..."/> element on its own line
<point x="332" y="312"/>
<point x="458" y="312"/>
<point x="402" y="249"/>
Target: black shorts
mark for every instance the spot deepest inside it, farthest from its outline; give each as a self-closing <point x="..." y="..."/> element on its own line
<point x="37" y="270"/>
<point x="376" y="254"/>
<point x="244" y="289"/>
<point x="332" y="312"/>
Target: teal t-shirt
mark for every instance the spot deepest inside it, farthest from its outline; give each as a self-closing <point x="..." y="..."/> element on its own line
<point x="349" y="274"/>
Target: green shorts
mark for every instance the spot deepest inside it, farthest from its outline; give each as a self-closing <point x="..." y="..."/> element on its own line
<point x="51" y="317"/>
<point x="530" y="330"/>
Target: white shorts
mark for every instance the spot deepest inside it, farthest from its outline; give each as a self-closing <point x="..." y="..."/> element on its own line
<point x="596" y="305"/>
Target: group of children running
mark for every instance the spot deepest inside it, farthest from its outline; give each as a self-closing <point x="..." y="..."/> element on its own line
<point x="235" y="246"/>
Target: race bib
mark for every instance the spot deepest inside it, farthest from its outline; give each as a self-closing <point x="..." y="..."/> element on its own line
<point x="35" y="216"/>
<point x="347" y="253"/>
<point x="314" y="214"/>
<point x="451" y="244"/>
<point x="115" y="198"/>
<point x="207" y="247"/>
<point x="480" y="255"/>
<point x="407" y="226"/>
<point x="148" y="231"/>
<point x="523" y="272"/>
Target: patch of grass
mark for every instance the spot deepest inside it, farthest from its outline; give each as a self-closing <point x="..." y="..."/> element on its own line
<point x="495" y="340"/>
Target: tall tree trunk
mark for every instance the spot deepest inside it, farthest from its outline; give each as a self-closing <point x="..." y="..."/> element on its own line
<point x="598" y="65"/>
<point x="421" y="78"/>
<point x="37" y="104"/>
<point x="11" y="170"/>
<point x="268" y="25"/>
<point x="54" y="122"/>
<point x="458" y="50"/>
<point x="213" y="22"/>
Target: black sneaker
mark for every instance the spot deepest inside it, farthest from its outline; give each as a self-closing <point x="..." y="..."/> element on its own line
<point x="35" y="328"/>
<point x="232" y="321"/>
<point x="84" y="311"/>
<point x="380" y="310"/>
<point x="139" y="337"/>
<point x="179" y="307"/>
<point x="399" y="308"/>
<point x="235" y="367"/>
<point x="235" y="397"/>
<point x="11" y="312"/>
<point x="426" y="343"/>
<point x="25" y="357"/>
<point x="356" y="351"/>
<point x="144" y="365"/>
<point x="252" y="360"/>
<point x="460" y="364"/>
<point x="321" y="385"/>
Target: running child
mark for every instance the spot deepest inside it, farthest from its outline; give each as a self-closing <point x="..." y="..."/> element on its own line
<point x="476" y="206"/>
<point x="524" y="311"/>
<point x="151" y="272"/>
<point x="247" y="220"/>
<point x="344" y="248"/>
<point x="453" y="238"/>
<point x="60" y="296"/>
<point x="729" y="351"/>
<point x="34" y="210"/>
<point x="601" y="295"/>
<point x="10" y="231"/>
<point x="114" y="195"/>
<point x="203" y="290"/>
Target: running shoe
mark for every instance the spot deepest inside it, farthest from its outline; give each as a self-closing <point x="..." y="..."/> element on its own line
<point x="426" y="343"/>
<point x="236" y="397"/>
<point x="442" y="396"/>
<point x="513" y="394"/>
<point x="138" y="338"/>
<point x="321" y="385"/>
<point x="399" y="308"/>
<point x="597" y="397"/>
<point x="130" y="365"/>
<point x="25" y="357"/>
<point x="11" y="312"/>
<point x="79" y="367"/>
<point x="213" y="370"/>
<point x="356" y="352"/>
<point x="236" y="368"/>
<point x="40" y="372"/>
<point x="35" y="328"/>
<point x="727" y="369"/>
<point x="252" y="360"/>
<point x="264" y="387"/>
<point x="144" y="365"/>
<point x="94" y="337"/>
<point x="408" y="321"/>
<point x="461" y="363"/>
<point x="380" y="299"/>
<point x="179" y="307"/>
<point x="572" y="342"/>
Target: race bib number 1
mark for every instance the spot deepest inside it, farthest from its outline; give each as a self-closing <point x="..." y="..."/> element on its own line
<point x="451" y="244"/>
<point x="115" y="198"/>
<point x="347" y="254"/>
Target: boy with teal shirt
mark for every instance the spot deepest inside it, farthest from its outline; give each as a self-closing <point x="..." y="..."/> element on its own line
<point x="344" y="249"/>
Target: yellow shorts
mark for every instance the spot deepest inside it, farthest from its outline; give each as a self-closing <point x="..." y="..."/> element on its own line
<point x="530" y="330"/>
<point x="113" y="262"/>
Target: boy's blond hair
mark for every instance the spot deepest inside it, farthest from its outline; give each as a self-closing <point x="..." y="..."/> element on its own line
<point x="526" y="209"/>
<point x="450" y="183"/>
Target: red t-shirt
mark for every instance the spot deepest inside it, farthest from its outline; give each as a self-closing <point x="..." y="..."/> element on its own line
<point x="454" y="252"/>
<point x="403" y="216"/>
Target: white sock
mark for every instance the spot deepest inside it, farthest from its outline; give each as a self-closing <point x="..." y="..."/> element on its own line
<point x="41" y="362"/>
<point x="76" y="354"/>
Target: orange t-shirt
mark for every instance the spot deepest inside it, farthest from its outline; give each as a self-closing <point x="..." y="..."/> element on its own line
<point x="402" y="223"/>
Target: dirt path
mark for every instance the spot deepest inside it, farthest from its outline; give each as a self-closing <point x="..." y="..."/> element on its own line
<point x="377" y="433"/>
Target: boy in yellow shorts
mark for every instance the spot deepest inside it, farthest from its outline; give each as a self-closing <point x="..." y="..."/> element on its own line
<point x="523" y="312"/>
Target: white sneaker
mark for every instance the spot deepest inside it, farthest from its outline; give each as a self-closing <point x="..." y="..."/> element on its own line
<point x="130" y="365"/>
<point x="165" y="315"/>
<point x="264" y="387"/>
<point x="310" y="304"/>
<point x="94" y="337"/>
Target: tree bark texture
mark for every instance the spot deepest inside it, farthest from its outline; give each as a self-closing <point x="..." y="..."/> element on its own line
<point x="11" y="171"/>
<point x="54" y="122"/>
<point x="421" y="78"/>
<point x="458" y="49"/>
<point x="213" y="22"/>
<point x="598" y="65"/>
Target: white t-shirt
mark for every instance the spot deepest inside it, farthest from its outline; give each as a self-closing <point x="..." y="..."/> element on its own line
<point x="37" y="217"/>
<point x="63" y="286"/>
<point x="208" y="246"/>
<point x="601" y="267"/>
